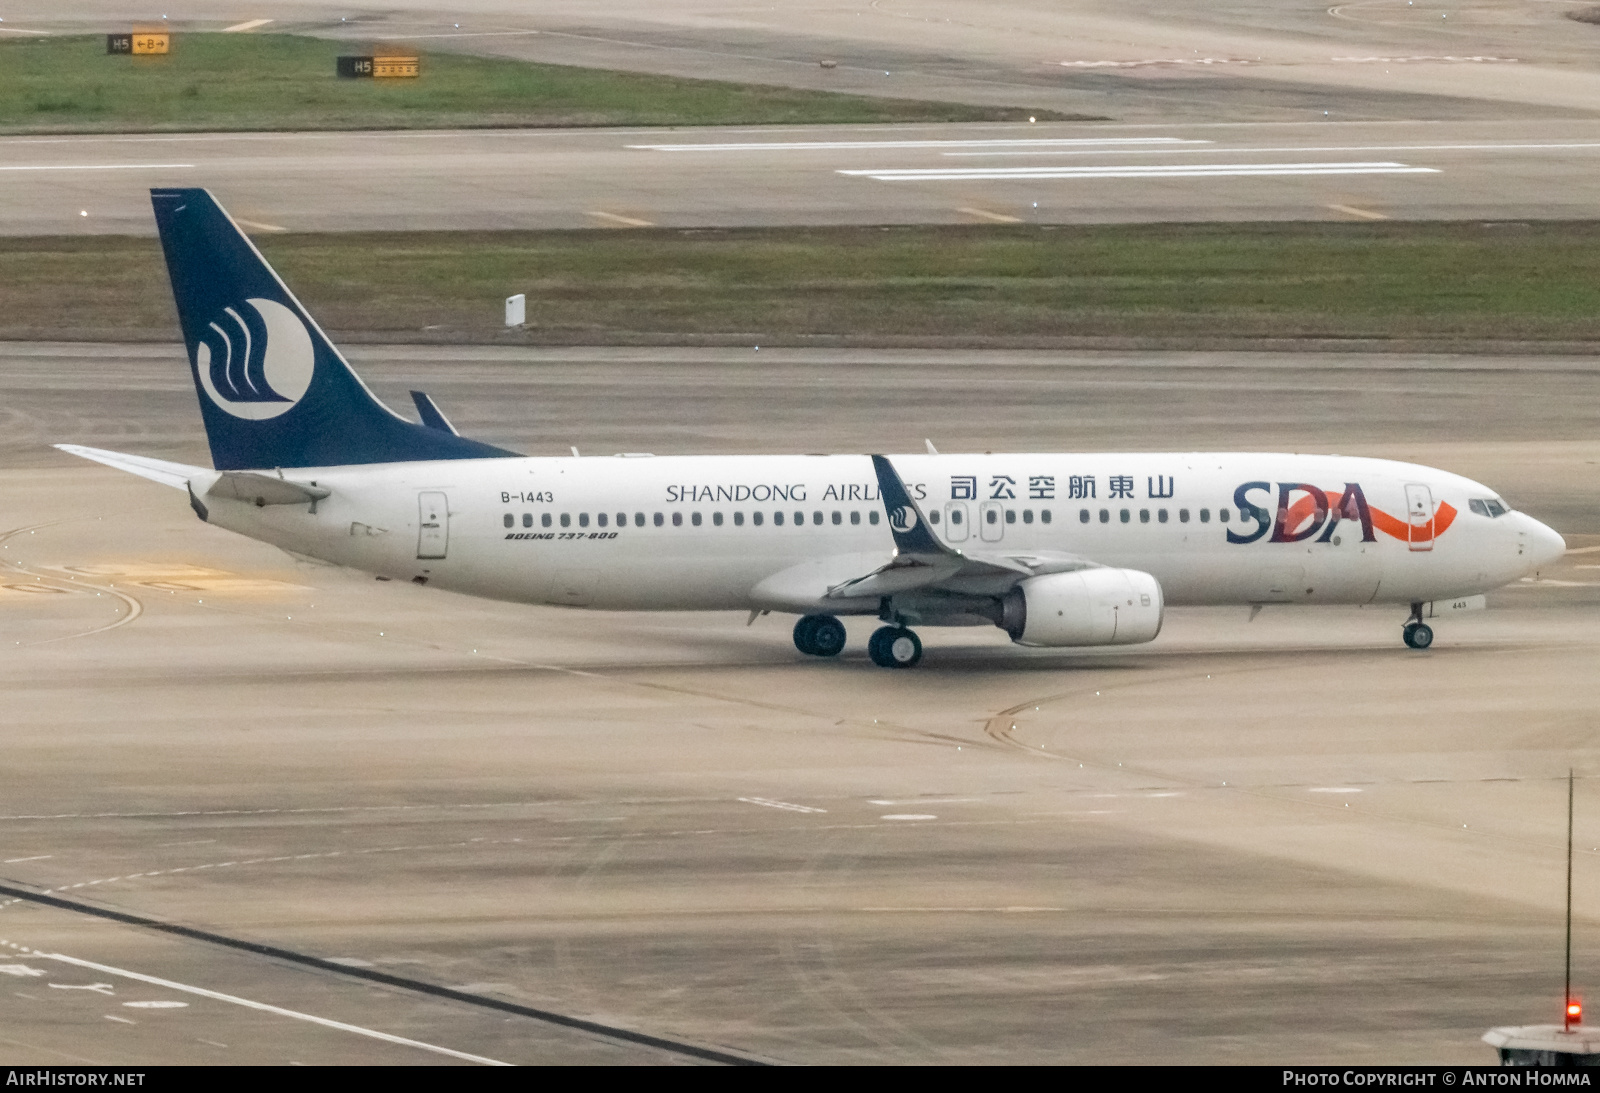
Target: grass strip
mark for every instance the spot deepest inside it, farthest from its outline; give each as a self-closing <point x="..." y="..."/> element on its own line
<point x="214" y="82"/>
<point x="1450" y="283"/>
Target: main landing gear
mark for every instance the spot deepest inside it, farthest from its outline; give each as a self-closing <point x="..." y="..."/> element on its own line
<point x="1417" y="634"/>
<point x="894" y="647"/>
<point x="819" y="635"/>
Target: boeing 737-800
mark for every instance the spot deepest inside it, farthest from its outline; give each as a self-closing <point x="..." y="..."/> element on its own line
<point x="1055" y="549"/>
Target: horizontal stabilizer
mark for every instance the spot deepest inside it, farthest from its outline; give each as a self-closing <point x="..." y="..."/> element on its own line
<point x="431" y="415"/>
<point x="175" y="475"/>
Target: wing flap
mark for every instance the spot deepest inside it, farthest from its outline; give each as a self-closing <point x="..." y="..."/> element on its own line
<point x="263" y="489"/>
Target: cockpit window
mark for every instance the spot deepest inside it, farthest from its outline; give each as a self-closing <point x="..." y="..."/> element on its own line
<point x="1488" y="506"/>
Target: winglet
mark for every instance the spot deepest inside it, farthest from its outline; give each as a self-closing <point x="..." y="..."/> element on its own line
<point x="431" y="415"/>
<point x="906" y="521"/>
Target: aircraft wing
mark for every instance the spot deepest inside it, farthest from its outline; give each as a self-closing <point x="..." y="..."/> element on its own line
<point x="921" y="561"/>
<point x="176" y="475"/>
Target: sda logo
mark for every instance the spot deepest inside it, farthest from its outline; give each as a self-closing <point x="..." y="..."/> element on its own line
<point x="903" y="519"/>
<point x="261" y="373"/>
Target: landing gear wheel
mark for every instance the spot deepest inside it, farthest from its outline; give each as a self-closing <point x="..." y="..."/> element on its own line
<point x="803" y="629"/>
<point x="1418" y="635"/>
<point x="827" y="637"/>
<point x="894" y="647"/>
<point x="819" y="636"/>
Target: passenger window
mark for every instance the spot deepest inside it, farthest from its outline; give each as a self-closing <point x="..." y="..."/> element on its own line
<point x="777" y="519"/>
<point x="755" y="518"/>
<point x="1011" y="516"/>
<point x="955" y="516"/>
<point x="816" y="518"/>
<point x="838" y="517"/>
<point x="566" y="519"/>
<point x="638" y="520"/>
<point x="511" y="521"/>
<point x="583" y="519"/>
<point x="799" y="519"/>
<point x="1105" y="516"/>
<point x="1222" y="514"/>
<point x="527" y="519"/>
<point x="601" y="519"/>
<point x="1161" y="515"/>
<point x="855" y="517"/>
<point x="659" y="519"/>
<point x="1083" y="516"/>
<point x="1205" y="516"/>
<point x="1144" y="516"/>
<point x="544" y="521"/>
<point x="1125" y="516"/>
<point x="677" y="519"/>
<point x="738" y="519"/>
<point x="1183" y="516"/>
<point x="694" y="519"/>
<point x="933" y="516"/>
<point x="1027" y="516"/>
<point x="622" y="519"/>
<point x="992" y="517"/>
<point x="716" y="518"/>
<point x="872" y="517"/>
<point x="1044" y="514"/>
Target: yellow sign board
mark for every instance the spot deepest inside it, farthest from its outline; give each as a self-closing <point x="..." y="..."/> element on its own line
<point x="394" y="67"/>
<point x="149" y="43"/>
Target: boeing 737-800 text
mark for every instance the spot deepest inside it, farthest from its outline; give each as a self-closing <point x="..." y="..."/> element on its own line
<point x="1055" y="549"/>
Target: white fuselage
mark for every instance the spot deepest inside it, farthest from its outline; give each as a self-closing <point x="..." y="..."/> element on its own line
<point x="776" y="532"/>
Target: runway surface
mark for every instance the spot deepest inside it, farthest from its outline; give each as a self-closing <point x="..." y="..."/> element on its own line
<point x="1141" y="61"/>
<point x="1060" y="173"/>
<point x="1252" y="841"/>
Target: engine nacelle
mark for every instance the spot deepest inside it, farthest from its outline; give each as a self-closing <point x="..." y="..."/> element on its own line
<point x="1084" y="607"/>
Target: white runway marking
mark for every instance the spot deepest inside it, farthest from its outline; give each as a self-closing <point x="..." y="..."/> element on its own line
<point x="101" y="167"/>
<point x="624" y="221"/>
<point x="156" y="1005"/>
<point x="36" y="857"/>
<point x="1360" y="214"/>
<point x="985" y="214"/>
<point x="1306" y="150"/>
<point x="785" y="805"/>
<point x="250" y="25"/>
<point x="909" y="816"/>
<point x="1184" y="170"/>
<point x="258" y="225"/>
<point x="265" y="1008"/>
<point x="848" y="145"/>
<point x="1333" y="789"/>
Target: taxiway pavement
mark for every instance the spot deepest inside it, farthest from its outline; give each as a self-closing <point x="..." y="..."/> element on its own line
<point x="1287" y="838"/>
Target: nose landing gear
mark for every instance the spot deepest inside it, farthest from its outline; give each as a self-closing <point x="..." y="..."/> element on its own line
<point x="1417" y="634"/>
<point x="819" y="635"/>
<point x="894" y="647"/>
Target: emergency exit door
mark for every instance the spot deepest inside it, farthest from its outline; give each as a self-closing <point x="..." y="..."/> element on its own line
<point x="991" y="521"/>
<point x="433" y="525"/>
<point x="1419" y="517"/>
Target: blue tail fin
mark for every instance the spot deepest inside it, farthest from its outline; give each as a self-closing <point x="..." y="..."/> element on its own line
<point x="274" y="392"/>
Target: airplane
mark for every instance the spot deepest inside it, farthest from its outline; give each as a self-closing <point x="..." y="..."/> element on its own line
<point x="1056" y="549"/>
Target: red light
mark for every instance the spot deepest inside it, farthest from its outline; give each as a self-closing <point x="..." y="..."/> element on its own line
<point x="1574" y="1012"/>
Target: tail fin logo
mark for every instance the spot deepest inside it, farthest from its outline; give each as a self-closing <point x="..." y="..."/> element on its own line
<point x="256" y="362"/>
<point x="903" y="519"/>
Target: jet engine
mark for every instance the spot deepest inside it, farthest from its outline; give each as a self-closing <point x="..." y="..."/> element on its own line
<point x="1084" y="607"/>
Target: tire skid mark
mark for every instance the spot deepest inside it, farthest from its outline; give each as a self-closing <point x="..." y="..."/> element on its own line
<point x="134" y="606"/>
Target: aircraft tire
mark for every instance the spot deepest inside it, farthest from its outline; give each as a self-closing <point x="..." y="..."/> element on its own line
<point x="827" y="636"/>
<point x="894" y="647"/>
<point x="1418" y="635"/>
<point x="805" y="629"/>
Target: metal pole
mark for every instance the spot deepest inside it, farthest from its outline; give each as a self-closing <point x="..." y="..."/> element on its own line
<point x="1566" y="1008"/>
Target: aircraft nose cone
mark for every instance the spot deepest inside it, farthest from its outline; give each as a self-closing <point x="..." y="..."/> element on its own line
<point x="1544" y="544"/>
